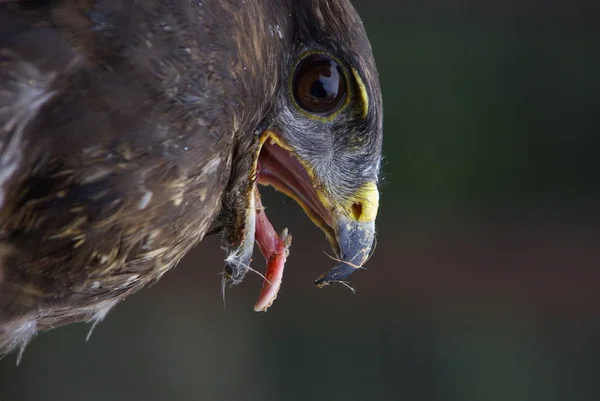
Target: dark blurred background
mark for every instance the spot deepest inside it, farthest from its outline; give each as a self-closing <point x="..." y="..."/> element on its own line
<point x="485" y="284"/>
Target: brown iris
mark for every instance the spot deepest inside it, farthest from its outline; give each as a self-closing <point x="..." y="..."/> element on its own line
<point x="319" y="85"/>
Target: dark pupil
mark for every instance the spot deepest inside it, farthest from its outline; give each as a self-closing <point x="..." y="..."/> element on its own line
<point x="317" y="89"/>
<point x="319" y="85"/>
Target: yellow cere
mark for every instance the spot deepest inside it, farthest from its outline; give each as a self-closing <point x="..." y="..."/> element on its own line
<point x="362" y="92"/>
<point x="364" y="204"/>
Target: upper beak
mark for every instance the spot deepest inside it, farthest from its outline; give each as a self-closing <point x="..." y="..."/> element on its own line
<point x="355" y="241"/>
<point x="353" y="224"/>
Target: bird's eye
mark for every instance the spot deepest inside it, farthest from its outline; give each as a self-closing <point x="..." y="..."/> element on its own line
<point x="319" y="85"/>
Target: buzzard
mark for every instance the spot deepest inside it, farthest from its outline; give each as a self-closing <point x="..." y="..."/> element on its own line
<point x="129" y="128"/>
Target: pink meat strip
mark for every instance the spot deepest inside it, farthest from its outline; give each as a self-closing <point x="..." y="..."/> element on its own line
<point x="275" y="249"/>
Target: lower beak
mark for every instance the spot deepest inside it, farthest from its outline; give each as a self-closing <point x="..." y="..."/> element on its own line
<point x="239" y="258"/>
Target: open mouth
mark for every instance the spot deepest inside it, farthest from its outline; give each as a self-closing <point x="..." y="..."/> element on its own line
<point x="348" y="222"/>
<point x="278" y="167"/>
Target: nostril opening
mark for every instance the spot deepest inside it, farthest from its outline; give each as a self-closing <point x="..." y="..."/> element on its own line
<point x="357" y="210"/>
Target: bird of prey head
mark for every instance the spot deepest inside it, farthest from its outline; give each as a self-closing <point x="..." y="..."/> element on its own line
<point x="318" y="142"/>
<point x="128" y="127"/>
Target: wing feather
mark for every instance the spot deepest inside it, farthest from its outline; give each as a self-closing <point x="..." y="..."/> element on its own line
<point x="105" y="181"/>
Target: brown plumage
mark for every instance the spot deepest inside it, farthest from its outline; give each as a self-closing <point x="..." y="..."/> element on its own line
<point x="128" y="127"/>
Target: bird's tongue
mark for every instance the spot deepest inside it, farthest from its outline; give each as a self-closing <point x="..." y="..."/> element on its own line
<point x="275" y="249"/>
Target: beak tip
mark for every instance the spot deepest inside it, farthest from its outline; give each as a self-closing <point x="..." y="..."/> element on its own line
<point x="235" y="268"/>
<point x="354" y="240"/>
<point x="338" y="273"/>
<point x="321" y="282"/>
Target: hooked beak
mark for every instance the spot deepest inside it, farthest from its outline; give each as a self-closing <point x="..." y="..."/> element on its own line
<point x="349" y="224"/>
<point x="354" y="241"/>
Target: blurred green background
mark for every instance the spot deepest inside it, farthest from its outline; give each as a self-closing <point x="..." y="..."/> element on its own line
<point x="485" y="284"/>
